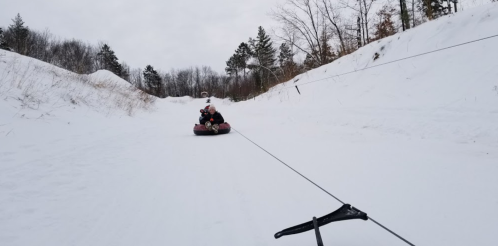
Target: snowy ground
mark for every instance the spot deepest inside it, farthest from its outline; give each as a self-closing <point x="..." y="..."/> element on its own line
<point x="413" y="144"/>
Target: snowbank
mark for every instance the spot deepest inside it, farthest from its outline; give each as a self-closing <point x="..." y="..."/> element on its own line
<point x="32" y="85"/>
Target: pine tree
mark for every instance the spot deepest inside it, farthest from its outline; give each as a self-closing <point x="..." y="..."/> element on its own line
<point x="238" y="61"/>
<point x="153" y="81"/>
<point x="125" y="71"/>
<point x="264" y="54"/>
<point x="242" y="55"/>
<point x="232" y="68"/>
<point x="310" y="62"/>
<point x="108" y="60"/>
<point x="3" y="43"/>
<point x="19" y="35"/>
<point x="433" y="8"/>
<point x="263" y="49"/>
<point x="286" y="61"/>
<point x="285" y="54"/>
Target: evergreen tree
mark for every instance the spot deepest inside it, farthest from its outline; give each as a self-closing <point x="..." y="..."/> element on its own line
<point x="433" y="8"/>
<point x="263" y="49"/>
<point x="19" y="35"/>
<point x="232" y="68"/>
<point x="153" y="81"/>
<point x="125" y="71"/>
<point x="264" y="54"/>
<point x="3" y="43"/>
<point x="242" y="55"/>
<point x="286" y="61"/>
<point x="285" y="55"/>
<point x="310" y="62"/>
<point x="107" y="60"/>
<point x="238" y="61"/>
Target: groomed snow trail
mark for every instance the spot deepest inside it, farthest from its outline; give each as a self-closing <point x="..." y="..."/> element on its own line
<point x="150" y="181"/>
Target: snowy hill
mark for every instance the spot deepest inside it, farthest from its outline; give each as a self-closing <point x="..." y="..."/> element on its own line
<point x="412" y="143"/>
<point x="32" y="86"/>
<point x="450" y="94"/>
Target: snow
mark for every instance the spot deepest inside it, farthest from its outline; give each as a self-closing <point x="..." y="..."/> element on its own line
<point x="413" y="144"/>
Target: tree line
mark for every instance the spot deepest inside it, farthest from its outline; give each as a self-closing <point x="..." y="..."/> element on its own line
<point x="82" y="58"/>
<point x="318" y="31"/>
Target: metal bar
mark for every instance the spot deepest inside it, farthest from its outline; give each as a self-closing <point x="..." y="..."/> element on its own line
<point x="317" y="232"/>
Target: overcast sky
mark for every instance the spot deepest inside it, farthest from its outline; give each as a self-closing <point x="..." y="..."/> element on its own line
<point x="163" y="33"/>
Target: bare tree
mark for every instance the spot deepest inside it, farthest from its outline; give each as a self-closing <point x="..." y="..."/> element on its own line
<point x="367" y="6"/>
<point x="362" y="7"/>
<point x="190" y="82"/>
<point x="38" y="45"/>
<point x="170" y="83"/>
<point x="332" y="14"/>
<point x="205" y="73"/>
<point x="413" y="13"/>
<point x="198" y="82"/>
<point x="125" y="73"/>
<point x="384" y="25"/>
<point x="352" y="33"/>
<point x="72" y="55"/>
<point x="302" y="20"/>
<point x="183" y="79"/>
<point x="136" y="78"/>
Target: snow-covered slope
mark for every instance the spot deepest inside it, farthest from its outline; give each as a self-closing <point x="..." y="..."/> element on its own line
<point x="412" y="143"/>
<point x="31" y="86"/>
<point x="450" y="94"/>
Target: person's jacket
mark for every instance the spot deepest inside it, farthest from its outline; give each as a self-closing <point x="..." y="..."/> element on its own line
<point x="204" y="112"/>
<point x="217" y="118"/>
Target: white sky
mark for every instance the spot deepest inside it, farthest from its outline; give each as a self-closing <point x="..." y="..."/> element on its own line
<point x="163" y="33"/>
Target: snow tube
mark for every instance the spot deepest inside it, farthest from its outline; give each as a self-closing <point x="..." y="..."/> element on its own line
<point x="202" y="130"/>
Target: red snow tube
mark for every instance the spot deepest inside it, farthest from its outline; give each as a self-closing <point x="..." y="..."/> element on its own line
<point x="202" y="130"/>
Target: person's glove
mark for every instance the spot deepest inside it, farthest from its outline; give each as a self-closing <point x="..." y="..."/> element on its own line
<point x="211" y="120"/>
<point x="202" y="110"/>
